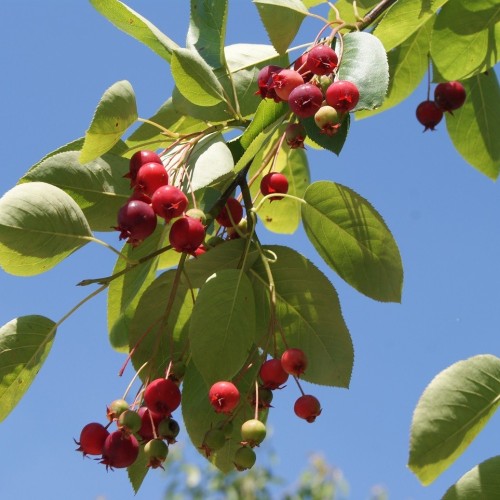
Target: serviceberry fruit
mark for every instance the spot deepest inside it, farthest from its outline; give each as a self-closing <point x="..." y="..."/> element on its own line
<point x="253" y="432"/>
<point x="186" y="234"/>
<point x="138" y="159"/>
<point x="429" y="114"/>
<point x="224" y="396"/>
<point x="150" y="177"/>
<point x="136" y="221"/>
<point x="285" y="81"/>
<point x="168" y="429"/>
<point x="328" y="119"/>
<point x="92" y="439"/>
<point x="274" y="182"/>
<point x="342" y="95"/>
<point x="244" y="458"/>
<point x="307" y="407"/>
<point x="233" y="207"/>
<point x="149" y="419"/>
<point x="449" y="95"/>
<point x="300" y="65"/>
<point x="322" y="60"/>
<point x="264" y="81"/>
<point x="116" y="408"/>
<point x="119" y="450"/>
<point x="295" y="134"/>
<point x="294" y="361"/>
<point x="129" y="422"/>
<point x="305" y="100"/>
<point x="156" y="452"/>
<point x="265" y="398"/>
<point x="162" y="396"/>
<point x="272" y="374"/>
<point x="214" y="440"/>
<point x="169" y="202"/>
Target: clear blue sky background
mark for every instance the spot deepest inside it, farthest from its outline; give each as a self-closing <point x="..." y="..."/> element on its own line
<point x="57" y="58"/>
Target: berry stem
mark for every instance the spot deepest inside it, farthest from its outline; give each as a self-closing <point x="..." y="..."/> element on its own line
<point x="134" y="378"/>
<point x="166" y="131"/>
<point x="299" y="386"/>
<point x="272" y="195"/>
<point x="256" y="414"/>
<point x="109" y="247"/>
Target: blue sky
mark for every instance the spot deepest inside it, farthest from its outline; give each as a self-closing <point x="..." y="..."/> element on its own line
<point x="58" y="57"/>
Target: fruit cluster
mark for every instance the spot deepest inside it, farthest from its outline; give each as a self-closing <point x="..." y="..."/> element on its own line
<point x="311" y="90"/>
<point x="448" y="96"/>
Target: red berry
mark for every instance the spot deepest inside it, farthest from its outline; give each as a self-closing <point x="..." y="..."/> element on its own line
<point x="307" y="407"/>
<point x="140" y="158"/>
<point x="342" y="95"/>
<point x="150" y="177"/>
<point x="429" y="114"/>
<point x="272" y="374"/>
<point x="162" y="396"/>
<point x="186" y="234"/>
<point x="295" y="135"/>
<point x="233" y="206"/>
<point x="264" y="81"/>
<point x="224" y="397"/>
<point x="148" y="420"/>
<point x="92" y="439"/>
<point x="449" y="95"/>
<point x="294" y="361"/>
<point x="119" y="450"/>
<point x="322" y="60"/>
<point x="169" y="202"/>
<point x="136" y="221"/>
<point x="285" y="81"/>
<point x="300" y="65"/>
<point x="305" y="100"/>
<point x="274" y="182"/>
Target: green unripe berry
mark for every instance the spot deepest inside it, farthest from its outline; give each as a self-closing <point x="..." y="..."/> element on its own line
<point x="196" y="213"/>
<point x="244" y="458"/>
<point x="168" y="429"/>
<point x="116" y="408"/>
<point x="156" y="450"/>
<point x="129" y="421"/>
<point x="253" y="432"/>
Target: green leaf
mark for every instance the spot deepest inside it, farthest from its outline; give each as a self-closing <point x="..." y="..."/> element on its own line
<point x="465" y="42"/>
<point x="98" y="187"/>
<point x="474" y="127"/>
<point x="222" y="326"/>
<point x="207" y="30"/>
<point x="290" y="14"/>
<point x="195" y="79"/>
<point x="308" y="311"/>
<point x="403" y="19"/>
<point x="333" y="143"/>
<point x="481" y="483"/>
<point x="408" y="63"/>
<point x="35" y="233"/>
<point x="125" y="291"/>
<point x="115" y="112"/>
<point x="132" y="23"/>
<point x="25" y="343"/>
<point x="453" y="409"/>
<point x="157" y="335"/>
<point x="364" y="63"/>
<point x="138" y="470"/>
<point x="346" y="9"/>
<point x="353" y="239"/>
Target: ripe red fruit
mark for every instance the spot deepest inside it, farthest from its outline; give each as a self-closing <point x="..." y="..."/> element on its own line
<point x="307" y="407"/>
<point x="294" y="361"/>
<point x="119" y="450"/>
<point x="224" y="396"/>
<point x="92" y="439"/>
<point x="264" y="81"/>
<point x="150" y="177"/>
<point x="285" y="81"/>
<point x="322" y="60"/>
<point x="300" y="65"/>
<point x="162" y="396"/>
<point x="274" y="182"/>
<point x="186" y="234"/>
<point x="295" y="135"/>
<point x="169" y="202"/>
<point x="138" y="159"/>
<point x="136" y="221"/>
<point x="272" y="374"/>
<point x="449" y="95"/>
<point x="305" y="100"/>
<point x="232" y="206"/>
<point x="342" y="95"/>
<point x="429" y="114"/>
<point x="148" y="420"/>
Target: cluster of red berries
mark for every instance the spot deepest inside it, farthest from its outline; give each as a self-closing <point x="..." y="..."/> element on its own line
<point x="224" y="397"/>
<point x="310" y="91"/>
<point x="151" y="425"/>
<point x="154" y="197"/>
<point x="448" y="96"/>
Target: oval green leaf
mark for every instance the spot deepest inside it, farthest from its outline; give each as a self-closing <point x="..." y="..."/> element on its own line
<point x="353" y="239"/>
<point x="25" y="343"/>
<point x="40" y="225"/>
<point x="453" y="409"/>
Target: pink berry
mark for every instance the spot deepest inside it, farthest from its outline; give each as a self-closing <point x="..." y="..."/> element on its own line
<point x="429" y="114"/>
<point x="322" y="60"/>
<point x="305" y="100"/>
<point x="186" y="234"/>
<point x="162" y="396"/>
<point x="232" y="206"/>
<point x="285" y="81"/>
<point x="307" y="407"/>
<point x="169" y="202"/>
<point x="300" y="65"/>
<point x="119" y="450"/>
<point x="140" y="158"/>
<point x="150" y="177"/>
<point x="136" y="221"/>
<point x="274" y="182"/>
<point x="224" y="396"/>
<point x="92" y="439"/>
<point x="264" y="81"/>
<point x="294" y="361"/>
<point x="272" y="374"/>
<point x="342" y="95"/>
<point x="449" y="95"/>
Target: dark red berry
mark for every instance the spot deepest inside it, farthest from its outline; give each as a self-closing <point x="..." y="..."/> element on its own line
<point x="272" y="374"/>
<point x="342" y="95"/>
<point x="274" y="182"/>
<point x="449" y="95"/>
<point x="136" y="221"/>
<point x="264" y="81"/>
<point x="295" y="135"/>
<point x="233" y="207"/>
<point x="285" y="81"/>
<point x="140" y="158"/>
<point x="119" y="450"/>
<point x="149" y="419"/>
<point x="300" y="65"/>
<point x="224" y="396"/>
<point x="169" y="202"/>
<point x="307" y="407"/>
<point x="322" y="60"/>
<point x="429" y="114"/>
<point x="186" y="234"/>
<point x="294" y="361"/>
<point x="92" y="439"/>
<point x="150" y="177"/>
<point x="305" y="100"/>
<point x="162" y="396"/>
<point x="156" y="451"/>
